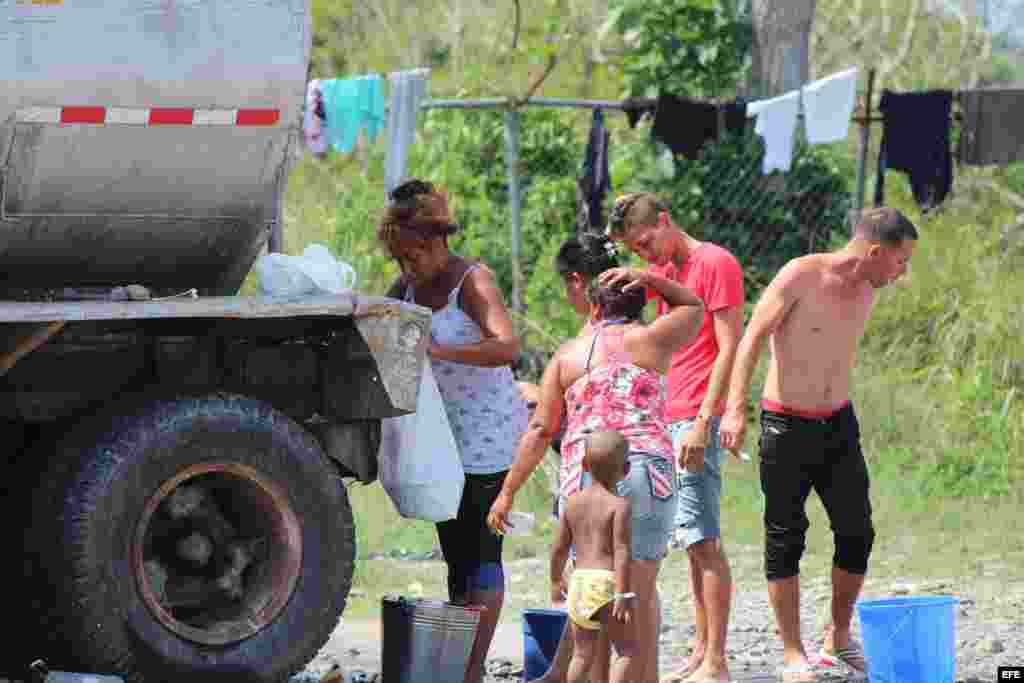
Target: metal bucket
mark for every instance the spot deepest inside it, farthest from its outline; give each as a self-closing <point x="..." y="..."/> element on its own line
<point x="426" y="640"/>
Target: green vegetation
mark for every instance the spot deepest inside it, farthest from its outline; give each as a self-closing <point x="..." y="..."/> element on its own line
<point x="698" y="48"/>
<point x="940" y="376"/>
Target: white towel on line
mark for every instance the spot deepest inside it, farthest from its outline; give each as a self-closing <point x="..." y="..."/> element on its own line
<point x="828" y="106"/>
<point x="776" y="123"/>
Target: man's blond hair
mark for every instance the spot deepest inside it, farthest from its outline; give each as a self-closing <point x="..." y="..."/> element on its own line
<point x="630" y="210"/>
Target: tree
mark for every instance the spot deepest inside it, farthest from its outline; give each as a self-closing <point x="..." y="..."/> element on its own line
<point x="782" y="41"/>
<point x="913" y="45"/>
<point x="698" y="48"/>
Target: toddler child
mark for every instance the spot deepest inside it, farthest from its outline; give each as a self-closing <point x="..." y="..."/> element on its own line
<point x="595" y="523"/>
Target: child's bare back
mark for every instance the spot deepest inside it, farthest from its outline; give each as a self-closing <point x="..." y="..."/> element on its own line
<point x="596" y="523"/>
<point x="594" y="515"/>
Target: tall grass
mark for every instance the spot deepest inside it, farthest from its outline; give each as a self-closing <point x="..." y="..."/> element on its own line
<point x="942" y="366"/>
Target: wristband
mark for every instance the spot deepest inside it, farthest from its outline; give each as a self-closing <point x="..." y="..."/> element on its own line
<point x="623" y="596"/>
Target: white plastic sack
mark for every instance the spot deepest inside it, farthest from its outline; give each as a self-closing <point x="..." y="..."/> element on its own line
<point x="418" y="462"/>
<point x="315" y="272"/>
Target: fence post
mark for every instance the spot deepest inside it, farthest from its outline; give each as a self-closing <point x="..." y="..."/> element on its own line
<point x="865" y="143"/>
<point x="512" y="165"/>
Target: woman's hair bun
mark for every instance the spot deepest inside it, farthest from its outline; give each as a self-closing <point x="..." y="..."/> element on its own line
<point x="588" y="253"/>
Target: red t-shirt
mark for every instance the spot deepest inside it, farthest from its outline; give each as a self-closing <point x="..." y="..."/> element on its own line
<point x="715" y="276"/>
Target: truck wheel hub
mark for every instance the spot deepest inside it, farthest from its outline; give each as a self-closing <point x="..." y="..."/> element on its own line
<point x="217" y="553"/>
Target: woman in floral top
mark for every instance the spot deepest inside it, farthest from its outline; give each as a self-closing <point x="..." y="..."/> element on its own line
<point x="612" y="376"/>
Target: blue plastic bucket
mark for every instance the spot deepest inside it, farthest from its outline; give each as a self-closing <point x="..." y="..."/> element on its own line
<point x="909" y="640"/>
<point x="542" y="629"/>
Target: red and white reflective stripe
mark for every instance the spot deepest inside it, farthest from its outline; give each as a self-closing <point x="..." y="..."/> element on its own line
<point x="153" y="116"/>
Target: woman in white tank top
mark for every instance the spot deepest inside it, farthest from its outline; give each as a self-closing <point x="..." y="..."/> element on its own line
<point x="471" y="349"/>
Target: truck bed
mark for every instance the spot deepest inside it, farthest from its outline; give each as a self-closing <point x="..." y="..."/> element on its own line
<point x="376" y="348"/>
<point x="354" y="304"/>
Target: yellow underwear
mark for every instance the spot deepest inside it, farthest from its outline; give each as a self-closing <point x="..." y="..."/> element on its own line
<point x="589" y="591"/>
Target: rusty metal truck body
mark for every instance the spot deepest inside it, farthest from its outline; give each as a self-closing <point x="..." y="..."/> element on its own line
<point x="173" y="464"/>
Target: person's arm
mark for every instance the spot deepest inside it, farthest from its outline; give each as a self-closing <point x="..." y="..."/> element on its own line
<point x="545" y="424"/>
<point x="559" y="556"/>
<point x="778" y="299"/>
<point x="725" y="303"/>
<point x="483" y="302"/>
<point x="686" y="311"/>
<point x="728" y="328"/>
<point x="621" y="543"/>
<point x="727" y="325"/>
<point x="672" y="292"/>
<point x="724" y="287"/>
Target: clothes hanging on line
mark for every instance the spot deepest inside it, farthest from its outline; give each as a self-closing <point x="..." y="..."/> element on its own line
<point x="353" y="105"/>
<point x="776" y="124"/>
<point x="828" y="106"/>
<point x="314" y="120"/>
<point x="594" y="182"/>
<point x="636" y="108"/>
<point x="685" y="125"/>
<point x="915" y="140"/>
<point x="407" y="89"/>
<point x="992" y="127"/>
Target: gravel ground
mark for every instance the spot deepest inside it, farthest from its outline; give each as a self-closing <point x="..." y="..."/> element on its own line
<point x="989" y="629"/>
<point x="989" y="623"/>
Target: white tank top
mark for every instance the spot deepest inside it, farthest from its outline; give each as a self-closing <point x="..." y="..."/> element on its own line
<point x="485" y="409"/>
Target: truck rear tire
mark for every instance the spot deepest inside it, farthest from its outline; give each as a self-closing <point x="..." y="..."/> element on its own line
<point x="194" y="539"/>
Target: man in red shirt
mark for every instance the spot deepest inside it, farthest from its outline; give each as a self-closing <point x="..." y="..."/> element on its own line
<point x="697" y="386"/>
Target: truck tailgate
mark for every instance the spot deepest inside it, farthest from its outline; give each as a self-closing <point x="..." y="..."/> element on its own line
<point x="395" y="332"/>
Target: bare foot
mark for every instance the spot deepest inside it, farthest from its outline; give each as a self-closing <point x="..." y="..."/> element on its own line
<point x="692" y="663"/>
<point x="707" y="673"/>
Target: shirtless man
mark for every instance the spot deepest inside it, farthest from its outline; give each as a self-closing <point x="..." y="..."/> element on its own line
<point x="813" y="314"/>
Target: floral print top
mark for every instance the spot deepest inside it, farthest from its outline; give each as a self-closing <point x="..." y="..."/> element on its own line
<point x="486" y="412"/>
<point x="617" y="396"/>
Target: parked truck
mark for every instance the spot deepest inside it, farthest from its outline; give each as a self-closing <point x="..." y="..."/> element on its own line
<point x="174" y="455"/>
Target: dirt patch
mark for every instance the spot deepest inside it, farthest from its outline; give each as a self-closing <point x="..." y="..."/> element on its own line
<point x="989" y="620"/>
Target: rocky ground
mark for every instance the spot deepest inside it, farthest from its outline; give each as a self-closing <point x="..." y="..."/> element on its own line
<point x="989" y="625"/>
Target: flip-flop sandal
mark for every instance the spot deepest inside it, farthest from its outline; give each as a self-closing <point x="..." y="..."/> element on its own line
<point x="683" y="672"/>
<point x="851" y="656"/>
<point x="799" y="673"/>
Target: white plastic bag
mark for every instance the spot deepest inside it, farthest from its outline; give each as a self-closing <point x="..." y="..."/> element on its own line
<point x="418" y="462"/>
<point x="315" y="272"/>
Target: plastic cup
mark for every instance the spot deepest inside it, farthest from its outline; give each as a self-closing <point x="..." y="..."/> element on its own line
<point x="519" y="523"/>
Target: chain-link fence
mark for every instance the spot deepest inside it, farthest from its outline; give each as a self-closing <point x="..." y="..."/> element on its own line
<point x="723" y="194"/>
<point x="726" y="196"/>
<point x="513" y="176"/>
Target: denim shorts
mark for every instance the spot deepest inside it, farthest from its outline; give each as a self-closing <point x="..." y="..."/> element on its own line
<point x="653" y="508"/>
<point x="699" y="514"/>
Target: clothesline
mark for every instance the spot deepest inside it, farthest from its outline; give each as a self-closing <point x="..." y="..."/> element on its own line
<point x="823" y="109"/>
<point x="338" y="110"/>
<point x="407" y="98"/>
